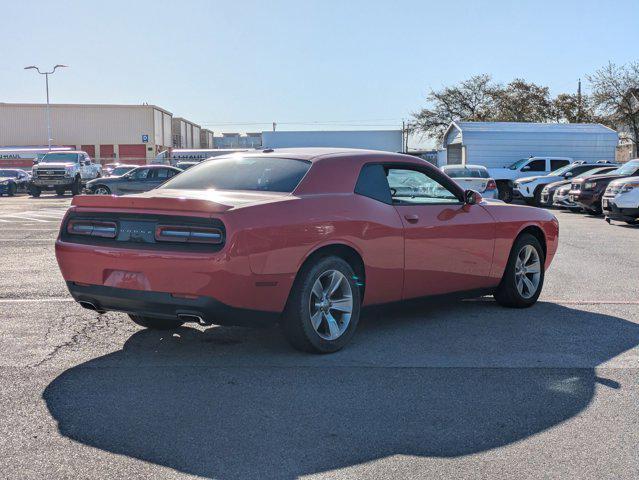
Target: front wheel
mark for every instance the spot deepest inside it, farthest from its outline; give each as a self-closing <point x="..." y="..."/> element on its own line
<point x="34" y="191"/>
<point x="523" y="279"/>
<point x="59" y="191"/>
<point x="102" y="190"/>
<point x="322" y="311"/>
<point x="156" y="323"/>
<point x="12" y="189"/>
<point x="76" y="187"/>
<point x="504" y="192"/>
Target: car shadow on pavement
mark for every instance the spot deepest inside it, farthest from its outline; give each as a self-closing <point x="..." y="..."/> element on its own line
<point x="454" y="379"/>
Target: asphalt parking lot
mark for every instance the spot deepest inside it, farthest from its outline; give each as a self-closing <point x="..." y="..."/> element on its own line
<point x="461" y="389"/>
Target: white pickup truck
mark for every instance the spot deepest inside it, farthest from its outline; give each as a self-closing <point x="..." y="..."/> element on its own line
<point x="505" y="177"/>
<point x="62" y="171"/>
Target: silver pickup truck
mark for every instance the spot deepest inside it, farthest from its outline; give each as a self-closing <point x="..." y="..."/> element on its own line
<point x="62" y="171"/>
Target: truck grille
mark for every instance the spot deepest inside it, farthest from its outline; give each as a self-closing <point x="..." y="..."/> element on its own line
<point x="50" y="173"/>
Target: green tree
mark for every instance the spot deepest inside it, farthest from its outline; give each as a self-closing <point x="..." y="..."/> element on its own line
<point x="521" y="101"/>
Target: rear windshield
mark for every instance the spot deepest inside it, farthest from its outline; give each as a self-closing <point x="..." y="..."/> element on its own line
<point x="268" y="174"/>
<point x="466" y="173"/>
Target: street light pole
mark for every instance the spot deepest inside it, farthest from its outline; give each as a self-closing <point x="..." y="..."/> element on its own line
<point x="46" y="77"/>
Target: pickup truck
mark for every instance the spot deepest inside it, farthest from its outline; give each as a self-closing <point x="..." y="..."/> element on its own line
<point x="62" y="171"/>
<point x="505" y="177"/>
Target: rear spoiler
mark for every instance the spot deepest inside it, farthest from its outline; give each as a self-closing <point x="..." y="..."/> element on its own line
<point x="150" y="203"/>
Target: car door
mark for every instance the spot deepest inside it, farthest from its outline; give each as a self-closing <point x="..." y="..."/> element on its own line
<point x="448" y="244"/>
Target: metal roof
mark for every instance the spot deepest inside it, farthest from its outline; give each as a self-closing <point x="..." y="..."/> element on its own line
<point x="526" y="127"/>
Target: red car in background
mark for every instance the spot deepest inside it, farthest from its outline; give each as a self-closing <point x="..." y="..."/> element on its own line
<point x="303" y="236"/>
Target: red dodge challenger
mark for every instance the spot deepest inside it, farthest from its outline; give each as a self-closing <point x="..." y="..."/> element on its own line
<point x="302" y="236"/>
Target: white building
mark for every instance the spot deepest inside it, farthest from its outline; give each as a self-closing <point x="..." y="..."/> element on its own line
<point x="387" y="140"/>
<point x="499" y="144"/>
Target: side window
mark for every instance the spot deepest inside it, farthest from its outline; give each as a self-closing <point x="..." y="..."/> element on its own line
<point x="171" y="173"/>
<point x="162" y="173"/>
<point x="537" y="166"/>
<point x="410" y="187"/>
<point x="555" y="164"/>
<point x="372" y="183"/>
<point x="141" y="174"/>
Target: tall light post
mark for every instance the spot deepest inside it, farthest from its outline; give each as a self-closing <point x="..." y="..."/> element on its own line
<point x="46" y="76"/>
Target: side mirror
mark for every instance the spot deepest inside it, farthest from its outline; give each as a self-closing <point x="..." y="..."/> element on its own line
<point x="36" y="161"/>
<point x="87" y="162"/>
<point x="471" y="197"/>
<point x="568" y="174"/>
<point x="525" y="168"/>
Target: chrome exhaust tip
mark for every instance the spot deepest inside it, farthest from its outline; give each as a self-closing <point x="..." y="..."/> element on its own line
<point x="90" y="306"/>
<point x="188" y="317"/>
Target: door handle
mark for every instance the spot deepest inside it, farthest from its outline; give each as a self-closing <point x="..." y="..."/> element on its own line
<point x="412" y="218"/>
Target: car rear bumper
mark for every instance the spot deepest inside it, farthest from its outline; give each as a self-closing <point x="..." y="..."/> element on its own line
<point x="166" y="306"/>
<point x="615" y="212"/>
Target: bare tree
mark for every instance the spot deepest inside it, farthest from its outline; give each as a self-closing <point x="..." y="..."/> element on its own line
<point x="470" y="100"/>
<point x="572" y="108"/>
<point x="615" y="95"/>
<point x="521" y="101"/>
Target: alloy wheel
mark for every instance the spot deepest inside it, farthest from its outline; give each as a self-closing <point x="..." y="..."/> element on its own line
<point x="331" y="305"/>
<point x="527" y="271"/>
<point x="102" y="191"/>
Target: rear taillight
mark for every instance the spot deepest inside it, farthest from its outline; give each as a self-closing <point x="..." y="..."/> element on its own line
<point x="92" y="228"/>
<point x="187" y="234"/>
<point x="491" y="185"/>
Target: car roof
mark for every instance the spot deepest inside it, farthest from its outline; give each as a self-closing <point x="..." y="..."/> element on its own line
<point x="152" y="166"/>
<point x="318" y="154"/>
<point x="479" y="167"/>
<point x="66" y="151"/>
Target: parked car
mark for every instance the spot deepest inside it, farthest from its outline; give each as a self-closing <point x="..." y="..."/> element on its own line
<point x="136" y="180"/>
<point x="556" y="194"/>
<point x="473" y="177"/>
<point x="186" y="165"/>
<point x="62" y="171"/>
<point x="505" y="177"/>
<point x="621" y="200"/>
<point x="13" y="180"/>
<point x="305" y="237"/>
<point x="587" y="192"/>
<point x="530" y="188"/>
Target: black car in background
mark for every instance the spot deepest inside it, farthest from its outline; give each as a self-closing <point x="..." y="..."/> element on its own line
<point x="548" y="193"/>
<point x="13" y="180"/>
<point x="137" y="180"/>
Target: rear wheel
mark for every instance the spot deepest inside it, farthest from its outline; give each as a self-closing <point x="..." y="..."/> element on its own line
<point x="504" y="192"/>
<point x="523" y="279"/>
<point x="12" y="189"/>
<point x="322" y="311"/>
<point x="537" y="196"/>
<point x="156" y="323"/>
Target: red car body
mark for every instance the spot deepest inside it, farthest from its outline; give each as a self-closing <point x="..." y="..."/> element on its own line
<point x="398" y="251"/>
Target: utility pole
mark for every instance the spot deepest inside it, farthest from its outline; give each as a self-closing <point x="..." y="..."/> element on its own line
<point x="274" y="125"/>
<point x="46" y="76"/>
<point x="579" y="101"/>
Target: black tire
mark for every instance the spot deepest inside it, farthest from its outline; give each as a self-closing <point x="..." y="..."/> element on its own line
<point x="76" y="187"/>
<point x="632" y="222"/>
<point x="504" y="192"/>
<point x="59" y="191"/>
<point x="537" y="196"/>
<point x="12" y="189"/>
<point x="296" y="322"/>
<point x="156" y="323"/>
<point x="507" y="293"/>
<point x="34" y="191"/>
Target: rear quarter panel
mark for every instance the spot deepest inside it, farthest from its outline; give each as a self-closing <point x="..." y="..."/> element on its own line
<point x="279" y="237"/>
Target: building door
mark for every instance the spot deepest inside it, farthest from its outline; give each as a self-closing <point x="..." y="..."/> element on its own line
<point x="135" y="154"/>
<point x="90" y="149"/>
<point x="454" y="154"/>
<point x="107" y="153"/>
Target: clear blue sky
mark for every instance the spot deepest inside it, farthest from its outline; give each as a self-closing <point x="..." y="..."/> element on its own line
<point x="338" y="63"/>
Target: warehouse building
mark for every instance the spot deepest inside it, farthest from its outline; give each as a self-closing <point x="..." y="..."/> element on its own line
<point x="186" y="134"/>
<point x="387" y="140"/>
<point x="499" y="144"/>
<point x="206" y="138"/>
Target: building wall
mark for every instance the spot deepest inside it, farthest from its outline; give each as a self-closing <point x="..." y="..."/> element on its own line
<point x="101" y="128"/>
<point x="386" y="140"/>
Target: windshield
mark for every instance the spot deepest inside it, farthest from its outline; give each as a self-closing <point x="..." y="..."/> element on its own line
<point x="518" y="163"/>
<point x="268" y="174"/>
<point x="595" y="171"/>
<point x="466" y="173"/>
<point x="116" y="172"/>
<point x="560" y="171"/>
<point x="9" y="173"/>
<point x="627" y="169"/>
<point x="59" y="157"/>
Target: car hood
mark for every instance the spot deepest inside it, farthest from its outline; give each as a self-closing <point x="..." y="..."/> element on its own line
<point x="105" y="180"/>
<point x="45" y="166"/>
<point x="558" y="184"/>
<point x="210" y="201"/>
<point x="595" y="178"/>
<point x="529" y="179"/>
